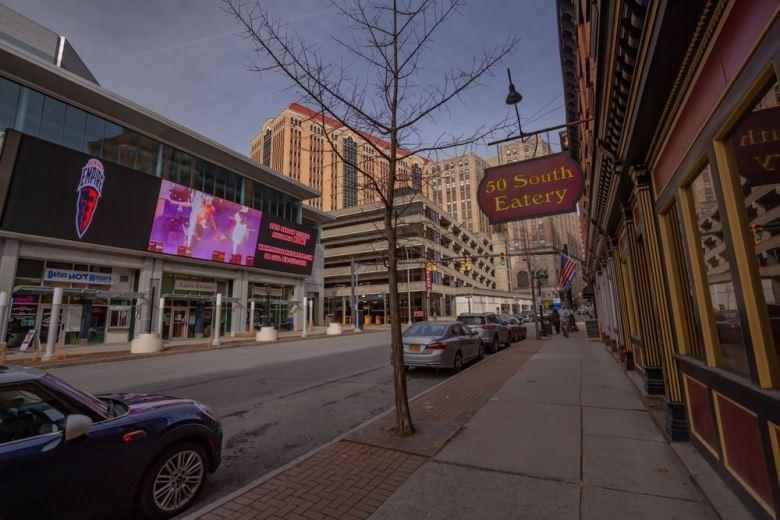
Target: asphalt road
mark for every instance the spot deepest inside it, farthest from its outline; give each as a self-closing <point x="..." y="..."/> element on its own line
<point x="276" y="402"/>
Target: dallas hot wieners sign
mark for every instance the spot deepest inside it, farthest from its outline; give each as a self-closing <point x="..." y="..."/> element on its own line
<point x="535" y="188"/>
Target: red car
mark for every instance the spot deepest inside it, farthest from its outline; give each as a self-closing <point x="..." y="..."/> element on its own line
<point x="517" y="330"/>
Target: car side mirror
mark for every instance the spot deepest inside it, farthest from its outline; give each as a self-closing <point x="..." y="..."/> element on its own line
<point x="76" y="425"/>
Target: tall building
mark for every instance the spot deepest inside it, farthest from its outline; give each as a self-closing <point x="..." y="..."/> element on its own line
<point x="520" y="150"/>
<point x="453" y="186"/>
<point x="319" y="152"/>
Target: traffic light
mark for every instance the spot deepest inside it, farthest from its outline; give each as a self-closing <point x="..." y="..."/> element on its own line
<point x="503" y="258"/>
<point x="757" y="235"/>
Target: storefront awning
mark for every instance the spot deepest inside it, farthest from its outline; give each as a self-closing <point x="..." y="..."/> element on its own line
<point x="85" y="293"/>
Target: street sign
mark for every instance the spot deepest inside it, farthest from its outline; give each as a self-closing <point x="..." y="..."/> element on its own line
<point x="539" y="187"/>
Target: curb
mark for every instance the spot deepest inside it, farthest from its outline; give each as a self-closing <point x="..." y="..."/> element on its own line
<point x="271" y="474"/>
<point x="165" y="353"/>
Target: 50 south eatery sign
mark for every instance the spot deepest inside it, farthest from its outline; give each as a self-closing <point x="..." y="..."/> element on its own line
<point x="535" y="188"/>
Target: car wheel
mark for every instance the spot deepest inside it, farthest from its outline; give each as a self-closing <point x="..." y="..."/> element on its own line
<point x="173" y="481"/>
<point x="457" y="363"/>
<point x="481" y="353"/>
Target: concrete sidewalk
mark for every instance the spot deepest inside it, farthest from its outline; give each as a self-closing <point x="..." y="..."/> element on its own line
<point x="550" y="429"/>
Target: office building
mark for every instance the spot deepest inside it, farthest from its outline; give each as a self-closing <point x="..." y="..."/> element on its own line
<point x="354" y="242"/>
<point x="319" y="152"/>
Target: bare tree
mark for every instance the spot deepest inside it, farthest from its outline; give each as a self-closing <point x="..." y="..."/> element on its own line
<point x="380" y="89"/>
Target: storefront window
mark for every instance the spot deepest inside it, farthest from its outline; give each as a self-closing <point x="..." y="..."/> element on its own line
<point x="690" y="315"/>
<point x="719" y="273"/>
<point x="756" y="149"/>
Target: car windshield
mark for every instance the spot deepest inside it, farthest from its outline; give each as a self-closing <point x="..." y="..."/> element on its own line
<point x="91" y="401"/>
<point x="433" y="330"/>
<point x="471" y="320"/>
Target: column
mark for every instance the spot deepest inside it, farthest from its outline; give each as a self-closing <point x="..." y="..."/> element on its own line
<point x="240" y="296"/>
<point x="149" y="278"/>
<point x="676" y="423"/>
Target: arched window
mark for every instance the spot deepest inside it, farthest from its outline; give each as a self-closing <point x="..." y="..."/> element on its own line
<point x="522" y="280"/>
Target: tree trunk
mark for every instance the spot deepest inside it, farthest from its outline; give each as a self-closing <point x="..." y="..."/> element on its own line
<point x="403" y="416"/>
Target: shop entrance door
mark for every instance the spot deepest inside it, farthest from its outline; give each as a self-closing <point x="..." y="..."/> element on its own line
<point x="42" y="323"/>
<point x="179" y="323"/>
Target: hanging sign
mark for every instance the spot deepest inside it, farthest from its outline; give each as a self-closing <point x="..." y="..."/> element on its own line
<point x="757" y="146"/>
<point x="539" y="187"/>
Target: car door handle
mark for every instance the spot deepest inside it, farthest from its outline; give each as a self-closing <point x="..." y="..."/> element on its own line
<point x="133" y="436"/>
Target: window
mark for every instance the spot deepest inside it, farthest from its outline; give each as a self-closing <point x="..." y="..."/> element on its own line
<point x="52" y="120"/>
<point x="28" y="118"/>
<point x="9" y="97"/>
<point x="718" y="272"/>
<point x="27" y="411"/>
<point x="350" y="172"/>
<point x="756" y="150"/>
<point x="73" y="129"/>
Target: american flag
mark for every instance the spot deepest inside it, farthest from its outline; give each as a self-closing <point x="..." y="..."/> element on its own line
<point x="567" y="272"/>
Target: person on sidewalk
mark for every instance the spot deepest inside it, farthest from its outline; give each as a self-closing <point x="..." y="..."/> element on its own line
<point x="566" y="320"/>
<point x="556" y="320"/>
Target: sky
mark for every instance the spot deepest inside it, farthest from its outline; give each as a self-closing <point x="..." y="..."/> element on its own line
<point x="186" y="60"/>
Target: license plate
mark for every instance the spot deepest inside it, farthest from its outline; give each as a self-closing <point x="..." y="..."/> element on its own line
<point x="414" y="348"/>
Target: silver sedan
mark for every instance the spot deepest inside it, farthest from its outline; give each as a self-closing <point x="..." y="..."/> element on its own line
<point x="440" y="344"/>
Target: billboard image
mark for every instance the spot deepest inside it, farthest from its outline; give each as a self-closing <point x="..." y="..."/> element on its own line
<point x="191" y="223"/>
<point x="285" y="246"/>
<point x="60" y="193"/>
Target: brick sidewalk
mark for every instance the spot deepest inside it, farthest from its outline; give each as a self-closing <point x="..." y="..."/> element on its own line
<point x="352" y="477"/>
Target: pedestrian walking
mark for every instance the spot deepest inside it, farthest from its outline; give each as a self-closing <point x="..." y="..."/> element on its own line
<point x="566" y="319"/>
<point x="555" y="317"/>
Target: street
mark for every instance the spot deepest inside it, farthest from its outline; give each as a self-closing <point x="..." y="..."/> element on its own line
<point x="276" y="402"/>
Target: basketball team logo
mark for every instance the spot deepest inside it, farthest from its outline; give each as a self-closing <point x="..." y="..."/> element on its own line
<point x="89" y="190"/>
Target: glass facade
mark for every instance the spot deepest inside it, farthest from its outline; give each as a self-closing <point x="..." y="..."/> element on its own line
<point x="39" y="115"/>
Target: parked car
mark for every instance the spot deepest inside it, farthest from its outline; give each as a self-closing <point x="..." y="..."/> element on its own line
<point x="490" y="330"/>
<point x="67" y="454"/>
<point x="527" y="315"/>
<point x="440" y="344"/>
<point x="517" y="330"/>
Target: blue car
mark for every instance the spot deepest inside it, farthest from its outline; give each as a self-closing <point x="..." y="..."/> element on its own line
<point x="67" y="454"/>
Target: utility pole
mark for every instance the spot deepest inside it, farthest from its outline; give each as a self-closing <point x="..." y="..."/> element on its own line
<point x="353" y="294"/>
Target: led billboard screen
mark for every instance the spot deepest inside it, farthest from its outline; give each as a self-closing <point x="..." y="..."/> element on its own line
<point x="191" y="223"/>
<point x="284" y="246"/>
<point x="57" y="192"/>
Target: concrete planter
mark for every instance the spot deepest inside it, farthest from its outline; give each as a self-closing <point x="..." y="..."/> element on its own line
<point x="266" y="334"/>
<point x="334" y="329"/>
<point x="146" y="343"/>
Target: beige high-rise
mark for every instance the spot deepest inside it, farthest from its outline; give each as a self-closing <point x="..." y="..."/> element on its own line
<point x="453" y="186"/>
<point x="319" y="152"/>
